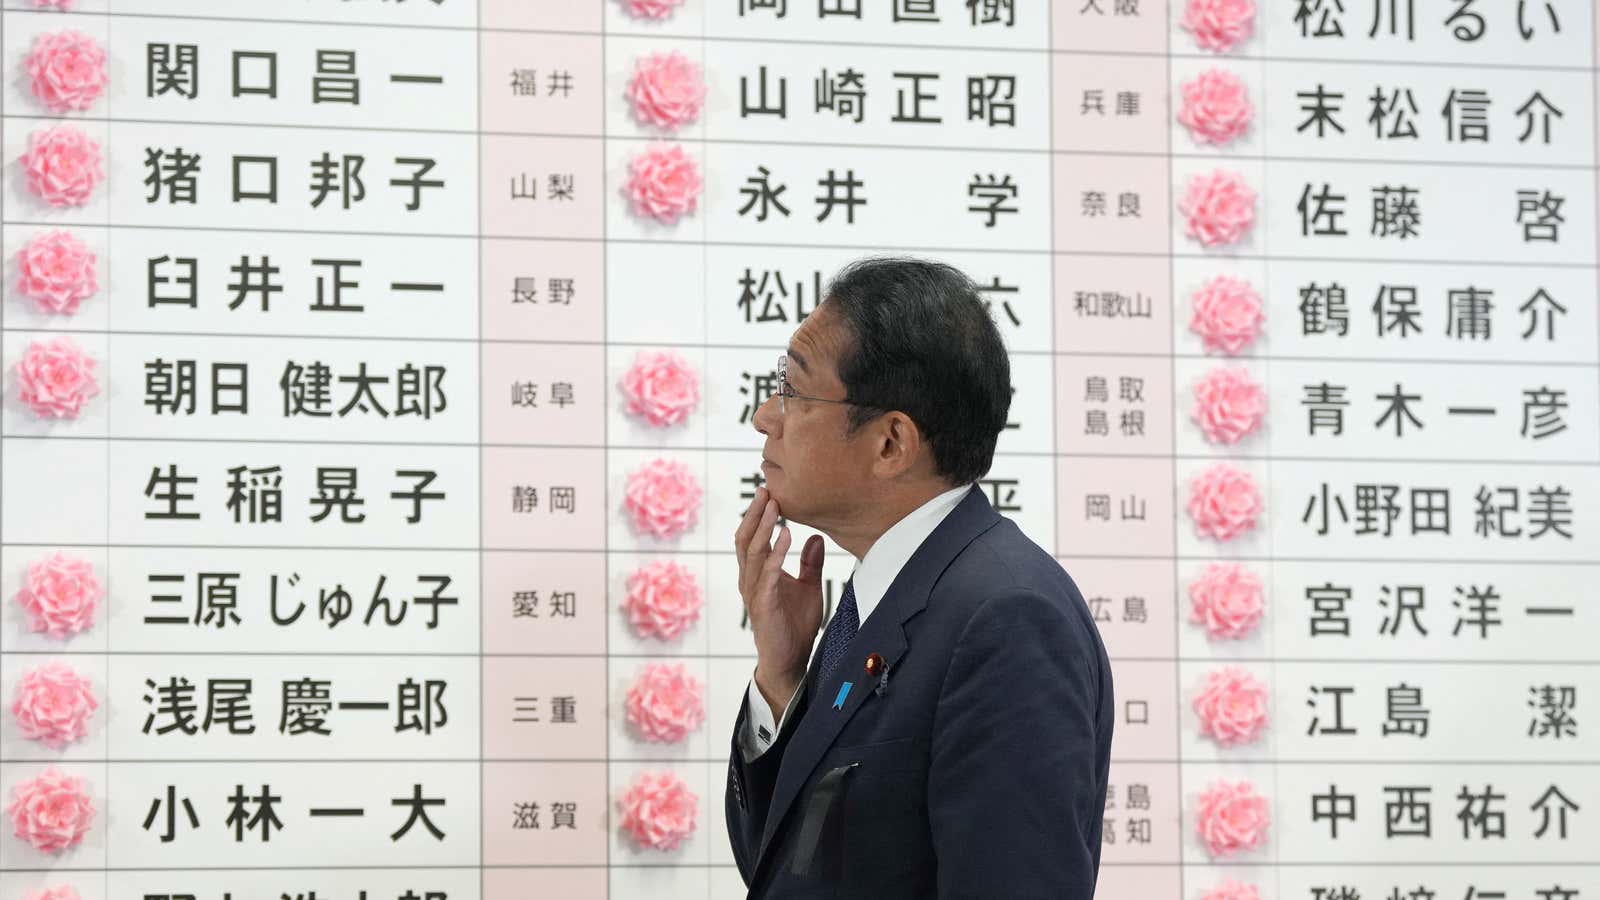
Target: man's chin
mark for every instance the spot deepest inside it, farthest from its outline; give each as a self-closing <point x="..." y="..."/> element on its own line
<point x="792" y="510"/>
<point x="776" y="492"/>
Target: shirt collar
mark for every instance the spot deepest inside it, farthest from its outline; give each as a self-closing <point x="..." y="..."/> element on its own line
<point x="890" y="552"/>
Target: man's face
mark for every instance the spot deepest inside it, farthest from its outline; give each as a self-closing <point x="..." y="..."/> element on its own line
<point x="812" y="469"/>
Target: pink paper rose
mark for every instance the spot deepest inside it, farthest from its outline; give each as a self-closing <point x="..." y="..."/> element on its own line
<point x="663" y="600"/>
<point x="55" y="378"/>
<point x="1227" y="314"/>
<point x="1231" y="818"/>
<point x="1232" y="890"/>
<point x="667" y="90"/>
<point x="1219" y="25"/>
<point x="51" y="812"/>
<point x="56" y="271"/>
<point x="1228" y="405"/>
<point x="1231" y="706"/>
<point x="1223" y="502"/>
<point x="52" y="705"/>
<point x="63" y="165"/>
<point x="663" y="182"/>
<point x="650" y="9"/>
<point x="59" y="595"/>
<point x="1216" y="107"/>
<point x="1227" y="599"/>
<point x="658" y="810"/>
<point x="64" y="892"/>
<point x="666" y="702"/>
<point x="660" y="388"/>
<point x="1218" y="207"/>
<point x="662" y="499"/>
<point x="66" y="70"/>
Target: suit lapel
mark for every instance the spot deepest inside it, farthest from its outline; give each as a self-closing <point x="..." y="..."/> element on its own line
<point x="823" y="720"/>
<point x="883" y="633"/>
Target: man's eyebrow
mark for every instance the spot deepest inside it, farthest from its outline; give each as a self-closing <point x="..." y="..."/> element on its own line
<point x="800" y="361"/>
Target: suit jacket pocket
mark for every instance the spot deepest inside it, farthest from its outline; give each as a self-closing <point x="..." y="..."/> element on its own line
<point x="829" y="814"/>
<point x="890" y="780"/>
<point x="894" y="753"/>
<point x="884" y="847"/>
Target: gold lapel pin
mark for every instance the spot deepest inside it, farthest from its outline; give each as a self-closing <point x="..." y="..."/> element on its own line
<point x="874" y="664"/>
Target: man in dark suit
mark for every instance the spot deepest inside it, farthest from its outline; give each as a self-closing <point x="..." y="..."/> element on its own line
<point x="950" y="735"/>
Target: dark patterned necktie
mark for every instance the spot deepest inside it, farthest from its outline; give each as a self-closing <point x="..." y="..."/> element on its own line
<point x="841" y="628"/>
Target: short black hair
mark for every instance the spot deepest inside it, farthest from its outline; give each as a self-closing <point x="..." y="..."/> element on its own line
<point x="920" y="339"/>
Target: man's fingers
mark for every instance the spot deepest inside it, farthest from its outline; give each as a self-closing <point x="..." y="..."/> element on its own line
<point x="772" y="566"/>
<point x="780" y="549"/>
<point x="760" y="545"/>
<point x="747" y="523"/>
<point x="811" y="560"/>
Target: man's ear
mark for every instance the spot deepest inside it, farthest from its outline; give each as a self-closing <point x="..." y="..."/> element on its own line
<point x="898" y="444"/>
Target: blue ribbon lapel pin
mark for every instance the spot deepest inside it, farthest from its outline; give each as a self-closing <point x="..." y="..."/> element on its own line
<point x="844" y="691"/>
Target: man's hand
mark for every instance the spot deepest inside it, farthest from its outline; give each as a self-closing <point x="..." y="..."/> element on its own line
<point x="785" y="611"/>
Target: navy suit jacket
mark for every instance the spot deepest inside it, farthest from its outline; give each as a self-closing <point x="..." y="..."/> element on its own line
<point x="976" y="769"/>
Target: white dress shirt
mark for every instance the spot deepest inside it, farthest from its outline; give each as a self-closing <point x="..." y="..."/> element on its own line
<point x="871" y="579"/>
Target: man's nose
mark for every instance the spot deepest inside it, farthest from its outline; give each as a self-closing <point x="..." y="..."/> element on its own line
<point x="766" y="419"/>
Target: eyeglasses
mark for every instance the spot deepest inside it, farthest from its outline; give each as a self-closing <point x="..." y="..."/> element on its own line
<point x="785" y="392"/>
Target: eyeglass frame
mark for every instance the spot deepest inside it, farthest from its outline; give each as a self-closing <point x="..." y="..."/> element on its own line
<point x="786" y="391"/>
